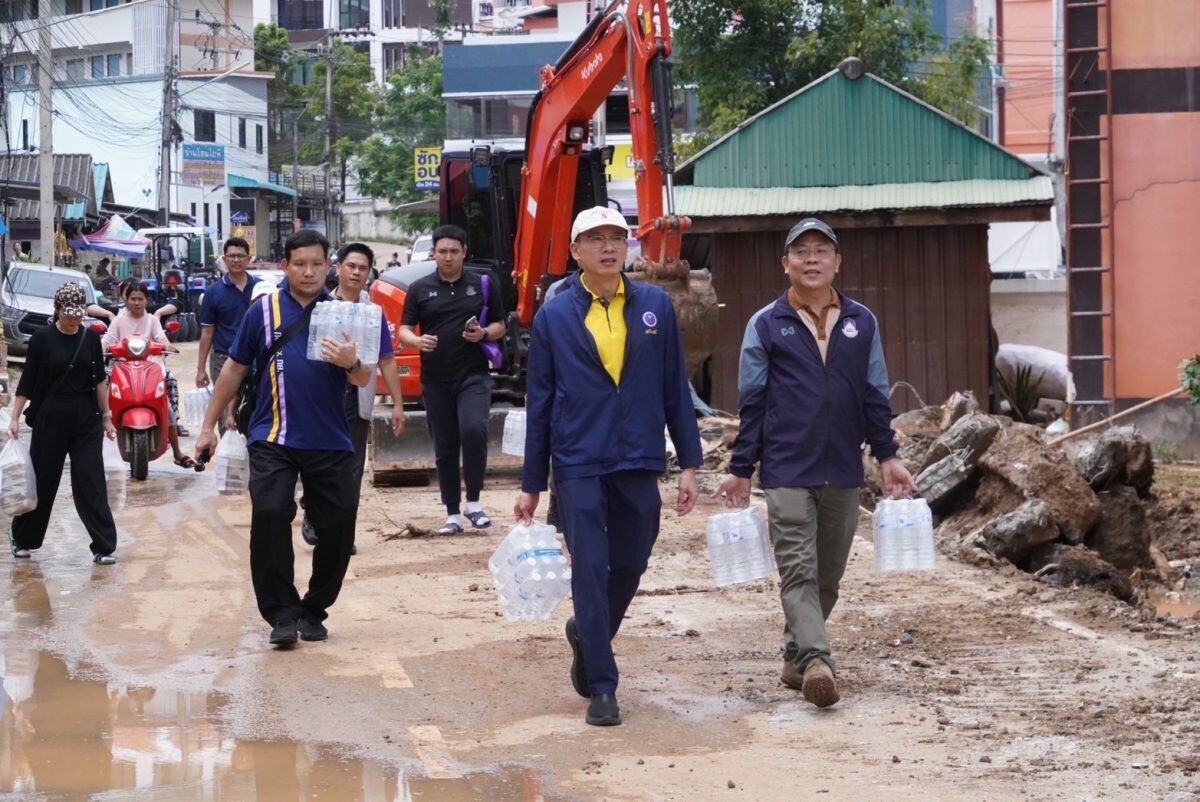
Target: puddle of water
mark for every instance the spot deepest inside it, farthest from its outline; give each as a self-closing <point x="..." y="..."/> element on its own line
<point x="1179" y="609"/>
<point x="64" y="733"/>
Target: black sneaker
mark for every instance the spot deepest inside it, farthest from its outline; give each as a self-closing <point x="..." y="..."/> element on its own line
<point x="603" y="711"/>
<point x="579" y="680"/>
<point x="312" y="630"/>
<point x="17" y="551"/>
<point x="308" y="532"/>
<point x="284" y="634"/>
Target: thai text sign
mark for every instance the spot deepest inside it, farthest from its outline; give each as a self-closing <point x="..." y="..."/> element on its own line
<point x="203" y="165"/>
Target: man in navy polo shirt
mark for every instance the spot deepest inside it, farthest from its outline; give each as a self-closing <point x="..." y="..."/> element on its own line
<point x="298" y="430"/>
<point x="225" y="304"/>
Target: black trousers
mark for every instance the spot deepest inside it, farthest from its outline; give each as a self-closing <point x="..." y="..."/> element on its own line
<point x="458" y="420"/>
<point x="69" y="426"/>
<point x="331" y="505"/>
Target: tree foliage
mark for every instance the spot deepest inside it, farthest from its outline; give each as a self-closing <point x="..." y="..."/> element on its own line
<point x="744" y="55"/>
<point x="409" y="113"/>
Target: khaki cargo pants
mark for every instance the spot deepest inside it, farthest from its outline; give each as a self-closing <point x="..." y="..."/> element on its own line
<point x="812" y="530"/>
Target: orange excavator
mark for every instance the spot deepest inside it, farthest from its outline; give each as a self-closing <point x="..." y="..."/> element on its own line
<point x="517" y="207"/>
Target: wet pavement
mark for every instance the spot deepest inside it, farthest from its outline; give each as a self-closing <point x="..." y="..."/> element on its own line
<point x="70" y="730"/>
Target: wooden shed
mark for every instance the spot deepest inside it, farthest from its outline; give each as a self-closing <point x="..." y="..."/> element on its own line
<point x="910" y="192"/>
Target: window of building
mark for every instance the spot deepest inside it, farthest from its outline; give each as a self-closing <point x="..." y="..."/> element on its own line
<point x="20" y="10"/>
<point x="220" y="222"/>
<point x="206" y="214"/>
<point x="99" y="4"/>
<point x="114" y="65"/>
<point x="97" y="67"/>
<point x="242" y="133"/>
<point x="75" y="69"/>
<point x="205" y="130"/>
<point x="24" y="134"/>
<point x="393" y="13"/>
<point x="301" y="15"/>
<point x="74" y="6"/>
<point x="258" y="139"/>
<point x="355" y="14"/>
<point x="19" y="74"/>
<point x="193" y="213"/>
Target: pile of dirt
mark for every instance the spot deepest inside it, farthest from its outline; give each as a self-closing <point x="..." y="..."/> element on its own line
<point x="1080" y="512"/>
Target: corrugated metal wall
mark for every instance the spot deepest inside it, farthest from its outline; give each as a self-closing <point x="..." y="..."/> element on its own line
<point x="927" y="285"/>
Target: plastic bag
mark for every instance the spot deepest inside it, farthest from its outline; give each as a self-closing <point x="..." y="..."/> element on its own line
<point x="18" y="485"/>
<point x="233" y="465"/>
<point x="5" y="422"/>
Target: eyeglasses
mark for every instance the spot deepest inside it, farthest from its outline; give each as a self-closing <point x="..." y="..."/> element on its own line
<point x="820" y="251"/>
<point x="600" y="240"/>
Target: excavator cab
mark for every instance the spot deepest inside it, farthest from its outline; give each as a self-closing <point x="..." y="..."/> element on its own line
<point x="481" y="188"/>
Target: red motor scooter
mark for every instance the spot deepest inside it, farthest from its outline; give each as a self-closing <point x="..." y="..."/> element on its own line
<point x="137" y="398"/>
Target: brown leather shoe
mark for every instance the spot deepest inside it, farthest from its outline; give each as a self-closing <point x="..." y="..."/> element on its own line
<point x="791" y="676"/>
<point x="819" y="687"/>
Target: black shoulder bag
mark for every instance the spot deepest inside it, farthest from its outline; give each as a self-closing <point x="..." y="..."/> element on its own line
<point x="247" y="396"/>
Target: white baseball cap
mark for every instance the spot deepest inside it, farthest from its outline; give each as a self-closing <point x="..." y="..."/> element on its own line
<point x="596" y="217"/>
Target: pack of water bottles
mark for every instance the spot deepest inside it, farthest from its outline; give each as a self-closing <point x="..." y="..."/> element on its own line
<point x="336" y="319"/>
<point x="232" y="464"/>
<point x="18" y="485"/>
<point x="739" y="547"/>
<point x="195" y="404"/>
<point x="903" y="535"/>
<point x="530" y="573"/>
<point x="513" y="443"/>
<point x="115" y="472"/>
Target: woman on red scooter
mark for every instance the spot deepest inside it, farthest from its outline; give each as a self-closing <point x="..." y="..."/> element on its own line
<point x="134" y="321"/>
<point x="67" y="392"/>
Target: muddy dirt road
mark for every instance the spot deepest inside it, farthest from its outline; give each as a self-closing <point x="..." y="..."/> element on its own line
<point x="154" y="679"/>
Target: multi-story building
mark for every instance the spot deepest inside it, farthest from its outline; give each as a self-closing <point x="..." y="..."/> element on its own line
<point x="384" y="29"/>
<point x="107" y="62"/>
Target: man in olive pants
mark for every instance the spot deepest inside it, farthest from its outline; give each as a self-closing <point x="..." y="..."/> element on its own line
<point x="813" y="387"/>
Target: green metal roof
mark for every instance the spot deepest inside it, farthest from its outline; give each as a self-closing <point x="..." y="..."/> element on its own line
<point x="841" y="132"/>
<point x="753" y="202"/>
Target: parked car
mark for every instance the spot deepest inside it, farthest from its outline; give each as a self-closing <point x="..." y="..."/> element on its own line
<point x="28" y="300"/>
<point x="422" y="249"/>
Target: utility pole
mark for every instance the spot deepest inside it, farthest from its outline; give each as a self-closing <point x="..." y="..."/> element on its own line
<point x="168" y="116"/>
<point x="46" y="146"/>
<point x="330" y="223"/>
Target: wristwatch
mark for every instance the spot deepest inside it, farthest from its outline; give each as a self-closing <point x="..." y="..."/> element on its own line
<point x="357" y="364"/>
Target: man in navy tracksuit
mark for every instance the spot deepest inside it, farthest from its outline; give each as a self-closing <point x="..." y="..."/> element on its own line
<point x="813" y="387"/>
<point x="606" y="374"/>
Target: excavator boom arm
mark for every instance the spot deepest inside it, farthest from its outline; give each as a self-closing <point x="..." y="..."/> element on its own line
<point x="628" y="41"/>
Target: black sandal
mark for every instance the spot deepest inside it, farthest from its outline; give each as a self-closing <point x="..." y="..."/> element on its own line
<point x="479" y="519"/>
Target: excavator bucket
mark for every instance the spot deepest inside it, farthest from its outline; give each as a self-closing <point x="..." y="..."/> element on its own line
<point x="408" y="460"/>
<point x="695" y="301"/>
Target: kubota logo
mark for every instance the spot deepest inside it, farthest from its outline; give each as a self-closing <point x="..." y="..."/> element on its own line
<point x="592" y="66"/>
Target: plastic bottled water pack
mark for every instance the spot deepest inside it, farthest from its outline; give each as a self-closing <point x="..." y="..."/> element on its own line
<point x="739" y="547"/>
<point x="903" y="535"/>
<point x="513" y="443"/>
<point x="336" y="319"/>
<point x="195" y="404"/>
<point x="232" y="465"/>
<point x="530" y="573"/>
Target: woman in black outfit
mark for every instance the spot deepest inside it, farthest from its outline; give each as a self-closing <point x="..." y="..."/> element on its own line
<point x="67" y="392"/>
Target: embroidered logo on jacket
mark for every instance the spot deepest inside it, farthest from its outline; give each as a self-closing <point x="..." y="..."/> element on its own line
<point x="650" y="319"/>
<point x="850" y="328"/>
<point x="787" y="331"/>
<point x="470" y="290"/>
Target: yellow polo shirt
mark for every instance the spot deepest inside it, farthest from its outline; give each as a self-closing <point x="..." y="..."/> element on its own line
<point x="606" y="322"/>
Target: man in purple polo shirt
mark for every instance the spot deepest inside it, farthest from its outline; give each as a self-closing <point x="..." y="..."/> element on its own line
<point x="298" y="430"/>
